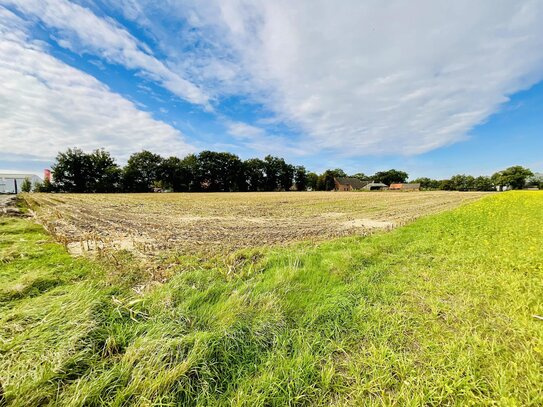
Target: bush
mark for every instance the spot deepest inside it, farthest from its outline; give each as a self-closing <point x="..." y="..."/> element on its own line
<point x="27" y="185"/>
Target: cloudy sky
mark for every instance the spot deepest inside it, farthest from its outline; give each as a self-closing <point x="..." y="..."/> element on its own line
<point x="432" y="87"/>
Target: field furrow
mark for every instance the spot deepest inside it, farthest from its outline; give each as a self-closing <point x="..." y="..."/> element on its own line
<point x="224" y="222"/>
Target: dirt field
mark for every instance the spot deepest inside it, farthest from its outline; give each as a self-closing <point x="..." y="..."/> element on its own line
<point x="223" y="222"/>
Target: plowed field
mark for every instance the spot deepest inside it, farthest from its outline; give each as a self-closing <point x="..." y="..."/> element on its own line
<point x="223" y="222"/>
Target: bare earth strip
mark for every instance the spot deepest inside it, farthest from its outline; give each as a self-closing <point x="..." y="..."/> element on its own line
<point x="216" y="223"/>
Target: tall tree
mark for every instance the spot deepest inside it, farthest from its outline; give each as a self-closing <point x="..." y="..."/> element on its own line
<point x="300" y="178"/>
<point x="461" y="182"/>
<point x="483" y="183"/>
<point x="220" y="172"/>
<point x="514" y="177"/>
<point x="279" y="174"/>
<point x="361" y="176"/>
<point x="105" y="174"/>
<point x="326" y="179"/>
<point x="271" y="165"/>
<point x="338" y="172"/>
<point x="535" y="180"/>
<point x="286" y="176"/>
<point x="446" y="185"/>
<point x="178" y="174"/>
<point x="72" y="171"/>
<point x="190" y="163"/>
<point x="427" y="183"/>
<point x="312" y="181"/>
<point x="142" y="171"/>
<point x="255" y="174"/>
<point x="390" y="177"/>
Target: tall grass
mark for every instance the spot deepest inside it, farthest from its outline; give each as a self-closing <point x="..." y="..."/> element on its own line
<point x="437" y="312"/>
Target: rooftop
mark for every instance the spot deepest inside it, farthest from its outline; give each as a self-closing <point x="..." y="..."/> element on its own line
<point x="353" y="182"/>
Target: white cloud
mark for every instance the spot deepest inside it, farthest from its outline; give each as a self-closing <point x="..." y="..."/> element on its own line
<point x="82" y="31"/>
<point x="349" y="78"/>
<point x="260" y="141"/>
<point x="359" y="77"/>
<point x="387" y="77"/>
<point x="47" y="106"/>
<point x="244" y="131"/>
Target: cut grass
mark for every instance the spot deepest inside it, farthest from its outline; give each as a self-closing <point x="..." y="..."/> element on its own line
<point x="437" y="312"/>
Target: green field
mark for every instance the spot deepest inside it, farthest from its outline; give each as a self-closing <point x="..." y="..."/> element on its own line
<point x="443" y="311"/>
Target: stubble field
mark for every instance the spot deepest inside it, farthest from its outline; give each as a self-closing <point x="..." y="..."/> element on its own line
<point x="224" y="222"/>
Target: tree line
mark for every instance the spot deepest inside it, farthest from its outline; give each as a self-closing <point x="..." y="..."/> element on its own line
<point x="79" y="172"/>
<point x="515" y="177"/>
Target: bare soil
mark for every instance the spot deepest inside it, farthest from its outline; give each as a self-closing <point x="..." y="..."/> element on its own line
<point x="223" y="222"/>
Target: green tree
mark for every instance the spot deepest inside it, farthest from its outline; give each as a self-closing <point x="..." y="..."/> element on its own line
<point x="178" y="174"/>
<point x="326" y="179"/>
<point x="76" y="171"/>
<point x="312" y="180"/>
<point x="71" y="171"/>
<point x="427" y="183"/>
<point x="338" y="172"/>
<point x="45" y="186"/>
<point x="26" y="185"/>
<point x="361" y="176"/>
<point x="390" y="177"/>
<point x="483" y="183"/>
<point x="300" y="178"/>
<point x="271" y="171"/>
<point x="220" y="172"/>
<point x="279" y="174"/>
<point x="514" y="177"/>
<point x="104" y="174"/>
<point x="461" y="182"/>
<point x="446" y="185"/>
<point x="286" y="176"/>
<point x="536" y="181"/>
<point x="190" y="162"/>
<point x="255" y="174"/>
<point x="141" y="171"/>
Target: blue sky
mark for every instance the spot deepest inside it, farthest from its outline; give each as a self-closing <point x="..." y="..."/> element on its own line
<point x="435" y="89"/>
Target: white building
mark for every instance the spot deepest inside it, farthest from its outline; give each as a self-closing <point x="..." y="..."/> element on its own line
<point x="11" y="183"/>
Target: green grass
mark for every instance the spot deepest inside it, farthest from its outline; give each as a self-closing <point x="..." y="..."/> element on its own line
<point x="440" y="312"/>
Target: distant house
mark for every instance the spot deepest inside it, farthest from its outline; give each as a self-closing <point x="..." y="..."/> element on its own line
<point x="405" y="187"/>
<point x="11" y="183"/>
<point x="351" y="184"/>
<point x="375" y="186"/>
<point x="348" y="184"/>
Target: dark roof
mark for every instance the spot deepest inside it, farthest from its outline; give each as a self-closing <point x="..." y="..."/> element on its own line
<point x="353" y="182"/>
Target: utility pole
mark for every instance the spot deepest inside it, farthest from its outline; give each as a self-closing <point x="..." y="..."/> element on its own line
<point x="15" y="183"/>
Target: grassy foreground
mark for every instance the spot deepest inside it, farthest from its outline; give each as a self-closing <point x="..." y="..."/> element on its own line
<point x="437" y="312"/>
